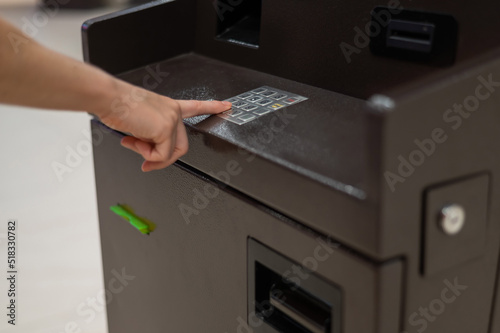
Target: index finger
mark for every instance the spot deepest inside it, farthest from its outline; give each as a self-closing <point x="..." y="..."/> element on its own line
<point x="195" y="108"/>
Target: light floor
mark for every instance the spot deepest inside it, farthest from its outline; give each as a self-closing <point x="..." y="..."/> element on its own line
<point x="59" y="260"/>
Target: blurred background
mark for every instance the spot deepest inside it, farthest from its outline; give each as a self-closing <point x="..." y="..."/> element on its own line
<point x="60" y="286"/>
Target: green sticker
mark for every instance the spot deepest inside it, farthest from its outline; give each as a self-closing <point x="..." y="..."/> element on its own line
<point x="141" y="224"/>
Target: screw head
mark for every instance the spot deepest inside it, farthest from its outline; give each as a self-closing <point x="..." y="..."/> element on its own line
<point x="452" y="219"/>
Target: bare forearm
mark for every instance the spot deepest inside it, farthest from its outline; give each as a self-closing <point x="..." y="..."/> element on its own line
<point x="32" y="75"/>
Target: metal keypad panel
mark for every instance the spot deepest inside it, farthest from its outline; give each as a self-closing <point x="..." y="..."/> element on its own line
<point x="255" y="103"/>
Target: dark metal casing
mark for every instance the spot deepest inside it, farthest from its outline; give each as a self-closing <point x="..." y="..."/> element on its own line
<point x="348" y="188"/>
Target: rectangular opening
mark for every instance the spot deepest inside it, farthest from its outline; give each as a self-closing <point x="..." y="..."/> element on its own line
<point x="284" y="301"/>
<point x="414" y="35"/>
<point x="239" y="23"/>
<point x="407" y="35"/>
<point x="287" y="307"/>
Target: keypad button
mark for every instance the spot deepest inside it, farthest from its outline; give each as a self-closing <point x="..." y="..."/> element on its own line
<point x="224" y="115"/>
<point x="291" y="100"/>
<point x="259" y="90"/>
<point x="246" y="117"/>
<point x="268" y="93"/>
<point x="254" y="99"/>
<point x="249" y="107"/>
<point x="233" y="113"/>
<point x="245" y="95"/>
<point x="262" y="111"/>
<point x="277" y="106"/>
<point x="264" y="101"/>
<point x="239" y="104"/>
<point x="279" y="96"/>
<point x="236" y="120"/>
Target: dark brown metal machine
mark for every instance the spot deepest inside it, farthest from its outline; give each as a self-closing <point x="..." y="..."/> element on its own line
<point x="363" y="197"/>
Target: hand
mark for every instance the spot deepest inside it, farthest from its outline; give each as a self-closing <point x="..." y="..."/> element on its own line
<point x="63" y="83"/>
<point x="155" y="122"/>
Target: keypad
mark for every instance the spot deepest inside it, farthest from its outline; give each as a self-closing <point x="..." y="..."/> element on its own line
<point x="258" y="102"/>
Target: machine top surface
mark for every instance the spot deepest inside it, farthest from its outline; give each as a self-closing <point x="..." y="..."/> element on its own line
<point x="323" y="137"/>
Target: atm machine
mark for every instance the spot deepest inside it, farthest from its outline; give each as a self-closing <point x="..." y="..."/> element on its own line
<point x="353" y="187"/>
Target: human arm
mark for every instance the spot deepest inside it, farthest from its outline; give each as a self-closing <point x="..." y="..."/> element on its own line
<point x="32" y="75"/>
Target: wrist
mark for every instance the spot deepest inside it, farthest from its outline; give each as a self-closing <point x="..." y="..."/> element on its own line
<point x="119" y="103"/>
<point x="107" y="92"/>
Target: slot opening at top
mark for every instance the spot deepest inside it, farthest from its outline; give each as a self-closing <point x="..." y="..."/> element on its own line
<point x="290" y="308"/>
<point x="408" y="35"/>
<point x="239" y="23"/>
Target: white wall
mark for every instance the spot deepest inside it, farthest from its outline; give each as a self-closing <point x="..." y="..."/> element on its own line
<point x="59" y="261"/>
<point x="17" y="2"/>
